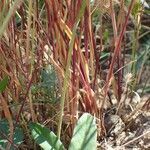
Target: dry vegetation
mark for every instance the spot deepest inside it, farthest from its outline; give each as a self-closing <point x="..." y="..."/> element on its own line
<point x="64" y="58"/>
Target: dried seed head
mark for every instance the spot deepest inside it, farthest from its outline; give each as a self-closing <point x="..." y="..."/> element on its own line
<point x="128" y="78"/>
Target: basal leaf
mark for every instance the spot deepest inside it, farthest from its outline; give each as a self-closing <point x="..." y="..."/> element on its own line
<point x="45" y="138"/>
<point x="85" y="134"/>
<point x="18" y="136"/>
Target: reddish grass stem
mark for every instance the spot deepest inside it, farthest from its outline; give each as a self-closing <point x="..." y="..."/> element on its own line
<point x="110" y="73"/>
<point x="116" y="51"/>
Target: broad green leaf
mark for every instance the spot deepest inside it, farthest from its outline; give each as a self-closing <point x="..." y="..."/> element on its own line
<point x="46" y="88"/>
<point x="18" y="136"/>
<point x="45" y="138"/>
<point x="3" y="84"/>
<point x="85" y="134"/>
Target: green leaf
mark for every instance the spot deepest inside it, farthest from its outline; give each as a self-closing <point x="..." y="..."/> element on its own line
<point x="3" y="84"/>
<point x="85" y="134"/>
<point x="17" y="137"/>
<point x="104" y="56"/>
<point x="45" y="138"/>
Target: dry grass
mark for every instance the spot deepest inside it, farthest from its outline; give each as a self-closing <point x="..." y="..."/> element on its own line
<point x="72" y="38"/>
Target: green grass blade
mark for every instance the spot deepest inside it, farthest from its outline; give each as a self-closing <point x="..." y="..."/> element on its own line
<point x="11" y="12"/>
<point x="3" y="84"/>
<point x="65" y="83"/>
